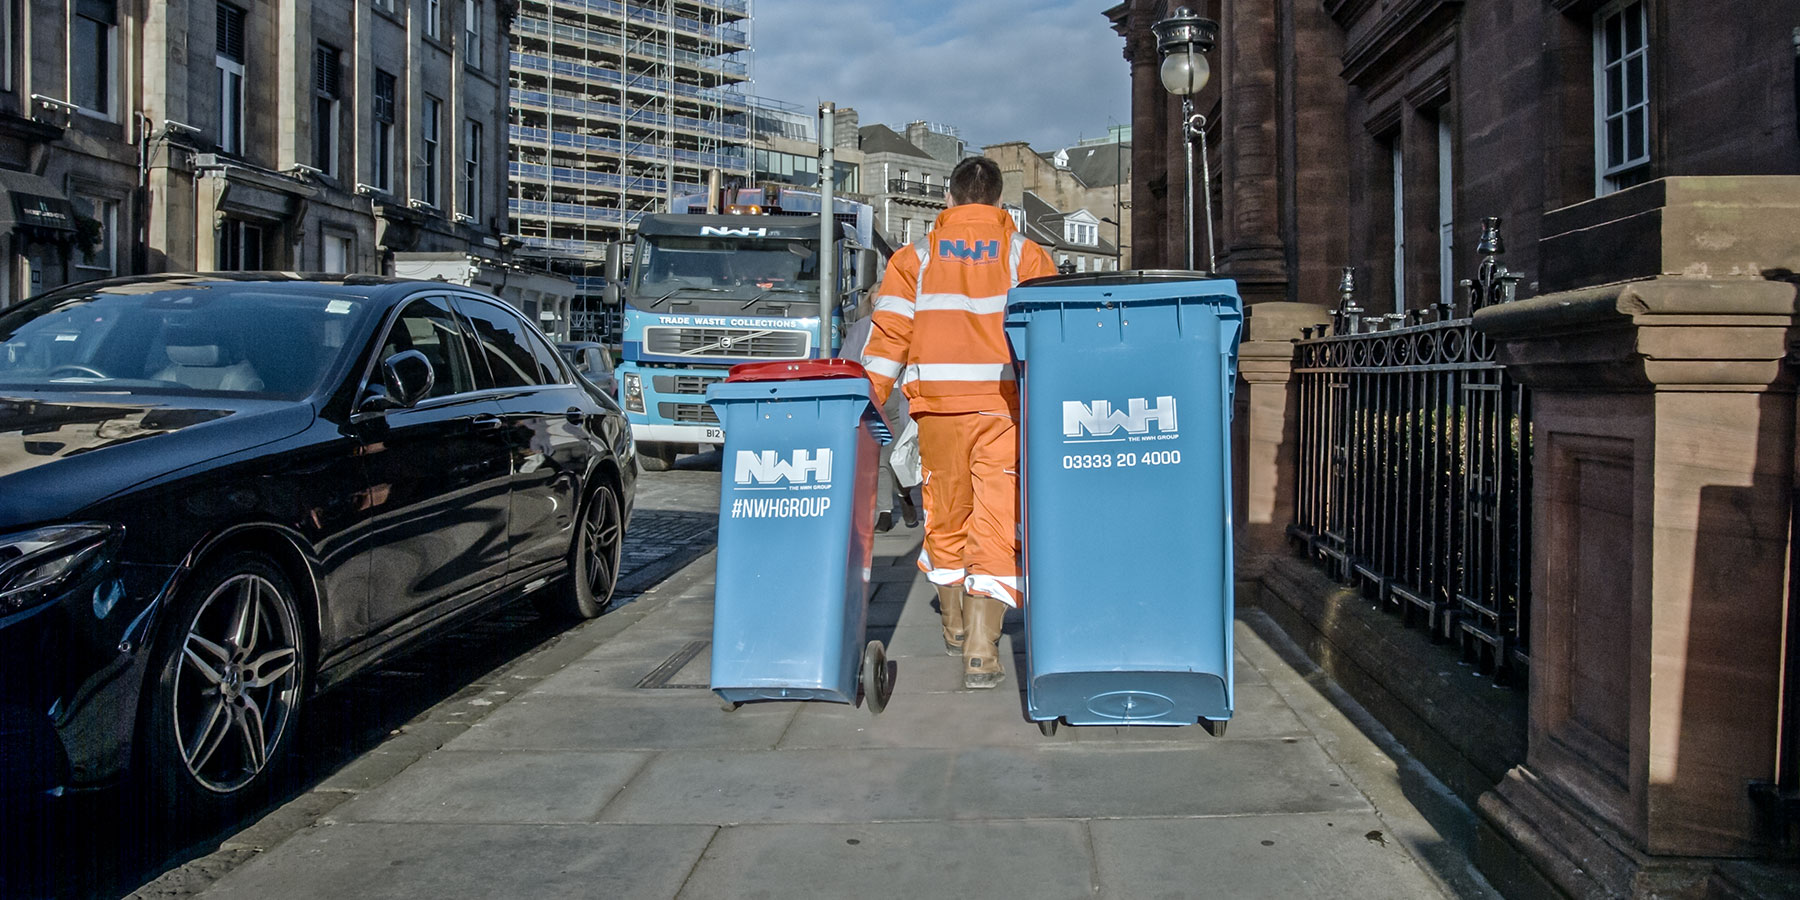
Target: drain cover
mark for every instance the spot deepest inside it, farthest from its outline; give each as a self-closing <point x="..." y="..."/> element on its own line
<point x="659" y="676"/>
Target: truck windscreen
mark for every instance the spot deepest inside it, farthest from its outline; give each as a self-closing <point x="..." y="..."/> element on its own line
<point x="721" y="268"/>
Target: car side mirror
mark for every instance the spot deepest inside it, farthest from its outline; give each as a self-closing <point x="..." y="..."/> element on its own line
<point x="867" y="263"/>
<point x="410" y="377"/>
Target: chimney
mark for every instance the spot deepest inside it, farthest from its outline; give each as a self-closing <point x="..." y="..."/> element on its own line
<point x="849" y="132"/>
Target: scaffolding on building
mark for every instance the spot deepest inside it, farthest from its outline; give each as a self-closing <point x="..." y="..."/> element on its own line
<point x="619" y="106"/>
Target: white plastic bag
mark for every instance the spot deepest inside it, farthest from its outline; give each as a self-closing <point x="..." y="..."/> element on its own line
<point x="903" y="456"/>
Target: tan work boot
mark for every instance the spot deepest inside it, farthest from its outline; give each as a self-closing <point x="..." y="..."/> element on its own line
<point x="950" y="609"/>
<point x="981" y="655"/>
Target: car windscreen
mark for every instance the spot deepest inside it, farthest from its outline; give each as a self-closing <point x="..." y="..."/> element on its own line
<point x="254" y="340"/>
<point x="675" y="265"/>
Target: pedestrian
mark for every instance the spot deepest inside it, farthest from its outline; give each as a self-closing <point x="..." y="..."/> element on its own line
<point x="939" y="332"/>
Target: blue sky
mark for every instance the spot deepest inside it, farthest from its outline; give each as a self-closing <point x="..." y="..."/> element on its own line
<point x="1046" y="71"/>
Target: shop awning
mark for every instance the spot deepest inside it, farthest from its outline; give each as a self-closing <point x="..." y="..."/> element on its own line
<point x="33" y="201"/>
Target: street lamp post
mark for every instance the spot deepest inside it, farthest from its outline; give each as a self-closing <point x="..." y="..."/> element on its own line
<point x="1118" y="248"/>
<point x="1183" y="40"/>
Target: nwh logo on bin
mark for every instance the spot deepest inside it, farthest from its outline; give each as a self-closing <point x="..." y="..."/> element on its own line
<point x="1139" y="418"/>
<point x="766" y="467"/>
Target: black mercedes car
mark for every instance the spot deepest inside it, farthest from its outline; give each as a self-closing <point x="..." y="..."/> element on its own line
<point x="221" y="494"/>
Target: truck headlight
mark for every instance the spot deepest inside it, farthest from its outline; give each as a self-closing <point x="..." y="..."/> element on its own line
<point x="633" y="387"/>
<point x="37" y="565"/>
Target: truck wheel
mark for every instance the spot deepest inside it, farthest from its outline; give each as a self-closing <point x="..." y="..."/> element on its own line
<point x="655" y="457"/>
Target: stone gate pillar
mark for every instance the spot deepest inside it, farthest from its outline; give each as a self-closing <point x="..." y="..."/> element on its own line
<point x="1663" y="456"/>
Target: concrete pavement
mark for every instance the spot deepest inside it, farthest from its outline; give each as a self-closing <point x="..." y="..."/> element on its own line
<point x="618" y="775"/>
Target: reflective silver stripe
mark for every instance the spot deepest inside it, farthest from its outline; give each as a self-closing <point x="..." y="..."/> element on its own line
<point x="886" y="368"/>
<point x="1013" y="255"/>
<point x="962" y="371"/>
<point x="978" y="305"/>
<point x="899" y="306"/>
<point x="923" y="249"/>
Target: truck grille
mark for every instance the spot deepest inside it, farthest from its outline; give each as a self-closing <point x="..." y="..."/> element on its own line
<point x="684" y="384"/>
<point x="688" y="413"/>
<point x="727" y="343"/>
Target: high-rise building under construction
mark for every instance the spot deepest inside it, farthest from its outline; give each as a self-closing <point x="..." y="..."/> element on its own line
<point x="618" y="107"/>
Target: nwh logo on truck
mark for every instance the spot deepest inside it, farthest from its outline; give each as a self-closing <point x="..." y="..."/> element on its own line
<point x="766" y="470"/>
<point x="1099" y="420"/>
<point x="721" y="231"/>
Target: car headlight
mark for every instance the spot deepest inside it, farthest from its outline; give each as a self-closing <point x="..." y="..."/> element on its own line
<point x="37" y="565"/>
<point x="634" y="392"/>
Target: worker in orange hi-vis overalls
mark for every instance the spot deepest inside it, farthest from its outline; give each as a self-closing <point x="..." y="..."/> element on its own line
<point x="939" y="330"/>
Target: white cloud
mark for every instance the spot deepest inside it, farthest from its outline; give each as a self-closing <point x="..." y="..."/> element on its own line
<point x="1045" y="71"/>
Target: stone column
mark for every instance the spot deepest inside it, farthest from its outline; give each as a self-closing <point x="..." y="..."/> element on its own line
<point x="1264" y="425"/>
<point x="1663" y="454"/>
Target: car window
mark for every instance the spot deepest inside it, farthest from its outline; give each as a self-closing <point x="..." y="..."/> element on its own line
<point x="428" y="326"/>
<point x="504" y="342"/>
<point x="547" y="358"/>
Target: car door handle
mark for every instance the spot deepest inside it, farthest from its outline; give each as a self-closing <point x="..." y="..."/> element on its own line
<point x="485" y="423"/>
<point x="574" y="415"/>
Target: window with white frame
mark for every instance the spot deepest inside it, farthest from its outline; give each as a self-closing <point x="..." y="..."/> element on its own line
<point x="102" y="259"/>
<point x="472" y="32"/>
<point x="94" y="57"/>
<point x="326" y="80"/>
<point x="1621" y="95"/>
<point x="472" y="169"/>
<point x="229" y="60"/>
<point x="336" y="252"/>
<point x="386" y="88"/>
<point x="1081" y="233"/>
<point x="430" y="138"/>
<point x="434" y="10"/>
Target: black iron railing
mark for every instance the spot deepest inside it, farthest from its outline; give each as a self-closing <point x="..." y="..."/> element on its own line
<point x="1414" y="471"/>
<point x="915" y="188"/>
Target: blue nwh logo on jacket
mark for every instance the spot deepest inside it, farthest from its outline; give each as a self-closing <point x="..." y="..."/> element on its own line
<point x="962" y="250"/>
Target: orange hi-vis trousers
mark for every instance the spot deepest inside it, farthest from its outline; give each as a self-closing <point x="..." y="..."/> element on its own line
<point x="971" y="463"/>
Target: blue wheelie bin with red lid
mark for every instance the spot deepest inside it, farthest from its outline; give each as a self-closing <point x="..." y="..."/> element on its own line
<point x="796" y="534"/>
<point x="1127" y="381"/>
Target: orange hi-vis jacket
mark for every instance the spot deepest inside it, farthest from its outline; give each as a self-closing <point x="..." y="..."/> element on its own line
<point x="939" y="325"/>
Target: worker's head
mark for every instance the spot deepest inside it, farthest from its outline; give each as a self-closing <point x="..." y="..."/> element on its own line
<point x="975" y="180"/>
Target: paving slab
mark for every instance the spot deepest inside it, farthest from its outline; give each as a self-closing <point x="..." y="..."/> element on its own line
<point x="1109" y="781"/>
<point x="793" y="786"/>
<point x="1260" y="714"/>
<point x="478" y="862"/>
<point x="513" y="786"/>
<point x="672" y="719"/>
<point x="1314" y="856"/>
<point x="917" y="719"/>
<point x="989" y="860"/>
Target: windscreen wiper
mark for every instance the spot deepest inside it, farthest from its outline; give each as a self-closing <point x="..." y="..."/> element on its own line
<point x="690" y="287"/>
<point x="774" y="290"/>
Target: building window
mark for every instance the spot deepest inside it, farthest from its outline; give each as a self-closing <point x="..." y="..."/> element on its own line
<point x="1446" y="215"/>
<point x="230" y="62"/>
<point x="93" y="56"/>
<point x="1622" y="95"/>
<point x="472" y="169"/>
<point x="384" y="5"/>
<point x="385" y="89"/>
<point x="336" y="253"/>
<point x="1396" y="152"/>
<point x="103" y="259"/>
<point x="6" y="53"/>
<point x="472" y="32"/>
<point x="325" y="108"/>
<point x="240" y="246"/>
<point x="429" y="123"/>
<point x="1079" y="233"/>
<point x="434" y="10"/>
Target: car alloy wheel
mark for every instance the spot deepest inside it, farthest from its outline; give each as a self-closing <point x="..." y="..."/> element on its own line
<point x="594" y="558"/>
<point x="229" y="687"/>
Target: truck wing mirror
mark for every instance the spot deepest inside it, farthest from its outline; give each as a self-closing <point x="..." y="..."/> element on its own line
<point x="868" y="263"/>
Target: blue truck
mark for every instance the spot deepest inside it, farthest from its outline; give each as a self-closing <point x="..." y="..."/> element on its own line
<point x="707" y="292"/>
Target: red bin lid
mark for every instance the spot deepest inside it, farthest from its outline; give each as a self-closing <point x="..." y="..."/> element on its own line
<point x="796" y="370"/>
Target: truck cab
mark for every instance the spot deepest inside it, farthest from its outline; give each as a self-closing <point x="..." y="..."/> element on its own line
<point x="707" y="292"/>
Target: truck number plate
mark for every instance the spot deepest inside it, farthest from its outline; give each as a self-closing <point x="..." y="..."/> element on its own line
<point x="715" y="434"/>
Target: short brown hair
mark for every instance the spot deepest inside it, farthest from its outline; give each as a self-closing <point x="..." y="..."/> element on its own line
<point x="976" y="180"/>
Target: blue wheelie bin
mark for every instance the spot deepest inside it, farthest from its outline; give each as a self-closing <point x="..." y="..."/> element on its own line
<point x="1127" y="381"/>
<point x="796" y="528"/>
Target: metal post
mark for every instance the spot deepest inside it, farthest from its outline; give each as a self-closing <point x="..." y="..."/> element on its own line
<point x="827" y="225"/>
<point x="1187" y="144"/>
<point x="1197" y="126"/>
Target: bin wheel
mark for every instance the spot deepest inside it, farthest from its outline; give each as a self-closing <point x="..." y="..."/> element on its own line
<point x="1216" y="728"/>
<point x="875" y="683"/>
<point x="1048" y="727"/>
<point x="729" y="705"/>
